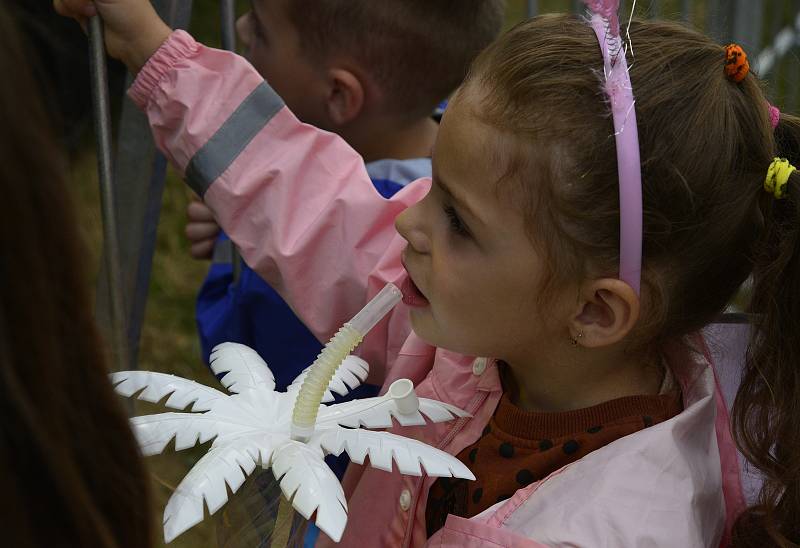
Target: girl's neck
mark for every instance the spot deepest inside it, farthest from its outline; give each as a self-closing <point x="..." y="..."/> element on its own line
<point x="581" y="378"/>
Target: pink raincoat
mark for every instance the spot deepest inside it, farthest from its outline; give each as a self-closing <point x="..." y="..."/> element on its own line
<point x="300" y="206"/>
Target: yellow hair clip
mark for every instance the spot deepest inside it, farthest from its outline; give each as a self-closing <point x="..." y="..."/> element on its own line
<point x="778" y="177"/>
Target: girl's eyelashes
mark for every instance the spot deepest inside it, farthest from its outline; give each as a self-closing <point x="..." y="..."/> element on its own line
<point x="456" y="224"/>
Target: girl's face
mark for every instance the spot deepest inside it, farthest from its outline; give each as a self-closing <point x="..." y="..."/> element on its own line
<point x="469" y="256"/>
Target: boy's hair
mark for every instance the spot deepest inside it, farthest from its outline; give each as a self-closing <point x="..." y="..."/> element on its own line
<point x="706" y="143"/>
<point x="416" y="51"/>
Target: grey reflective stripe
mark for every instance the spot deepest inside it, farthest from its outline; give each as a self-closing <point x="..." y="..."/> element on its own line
<point x="230" y="140"/>
<point x="223" y="252"/>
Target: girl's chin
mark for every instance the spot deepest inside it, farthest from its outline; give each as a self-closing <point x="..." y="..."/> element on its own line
<point x="425" y="327"/>
<point x="421" y="324"/>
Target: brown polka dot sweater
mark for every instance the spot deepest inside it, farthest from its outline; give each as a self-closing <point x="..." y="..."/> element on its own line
<point x="520" y="447"/>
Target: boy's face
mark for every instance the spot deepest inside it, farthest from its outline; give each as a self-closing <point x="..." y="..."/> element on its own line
<point x="272" y="45"/>
<point x="469" y="255"/>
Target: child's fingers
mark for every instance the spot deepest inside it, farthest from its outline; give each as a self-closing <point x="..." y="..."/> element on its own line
<point x="197" y="232"/>
<point x="202" y="250"/>
<point x="199" y="212"/>
<point x="77" y="9"/>
<point x="133" y="29"/>
<point x="201" y="230"/>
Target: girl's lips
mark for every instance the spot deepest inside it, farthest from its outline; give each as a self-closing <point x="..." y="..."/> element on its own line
<point x="411" y="294"/>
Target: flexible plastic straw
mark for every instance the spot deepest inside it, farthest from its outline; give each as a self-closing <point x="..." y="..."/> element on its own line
<point x="322" y="370"/>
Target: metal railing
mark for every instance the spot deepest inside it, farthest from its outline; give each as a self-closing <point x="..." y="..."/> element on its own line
<point x="138" y="184"/>
<point x="769" y="30"/>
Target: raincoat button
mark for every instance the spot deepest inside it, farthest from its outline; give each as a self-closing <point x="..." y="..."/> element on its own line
<point x="405" y="500"/>
<point x="479" y="366"/>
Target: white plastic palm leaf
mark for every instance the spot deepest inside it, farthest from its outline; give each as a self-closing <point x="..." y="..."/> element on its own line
<point x="226" y="465"/>
<point x="154" y="432"/>
<point x="378" y="413"/>
<point x="156" y="386"/>
<point x="384" y="447"/>
<point x="349" y="376"/>
<point x="248" y="425"/>
<point x="242" y="369"/>
<point x="310" y="484"/>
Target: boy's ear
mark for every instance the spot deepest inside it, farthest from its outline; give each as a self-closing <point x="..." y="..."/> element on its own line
<point x="606" y="311"/>
<point x="345" y="100"/>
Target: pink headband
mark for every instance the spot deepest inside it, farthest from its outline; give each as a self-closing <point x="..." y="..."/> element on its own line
<point x="774" y="115"/>
<point x="605" y="23"/>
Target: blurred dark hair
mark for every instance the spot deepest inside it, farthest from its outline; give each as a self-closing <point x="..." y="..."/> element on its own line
<point x="72" y="473"/>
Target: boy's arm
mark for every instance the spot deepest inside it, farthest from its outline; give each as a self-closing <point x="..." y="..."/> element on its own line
<point x="296" y="200"/>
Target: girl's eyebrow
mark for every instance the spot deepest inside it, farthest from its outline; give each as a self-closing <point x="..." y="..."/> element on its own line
<point x="459" y="202"/>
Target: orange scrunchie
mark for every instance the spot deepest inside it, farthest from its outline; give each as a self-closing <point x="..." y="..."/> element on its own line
<point x="736" y="64"/>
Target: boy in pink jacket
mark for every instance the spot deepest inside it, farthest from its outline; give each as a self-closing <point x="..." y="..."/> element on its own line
<point x="596" y="417"/>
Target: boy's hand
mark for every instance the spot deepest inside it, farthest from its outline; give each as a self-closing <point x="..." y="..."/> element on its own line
<point x="133" y="29"/>
<point x="201" y="230"/>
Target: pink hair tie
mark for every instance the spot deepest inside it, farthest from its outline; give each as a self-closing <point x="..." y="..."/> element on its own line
<point x="774" y="115"/>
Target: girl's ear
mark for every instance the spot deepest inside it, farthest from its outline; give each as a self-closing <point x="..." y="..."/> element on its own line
<point x="606" y="311"/>
<point x="345" y="98"/>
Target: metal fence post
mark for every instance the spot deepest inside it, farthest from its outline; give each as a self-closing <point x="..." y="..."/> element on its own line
<point x="533" y="8"/>
<point x="115" y="326"/>
<point x="686" y="10"/>
<point x="227" y="10"/>
<point x="655" y="8"/>
<point x="748" y="15"/>
<point x="792" y="100"/>
<point x="717" y="22"/>
<point x="138" y="189"/>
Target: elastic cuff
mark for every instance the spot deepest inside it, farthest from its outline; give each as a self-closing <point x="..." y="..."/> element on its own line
<point x="179" y="45"/>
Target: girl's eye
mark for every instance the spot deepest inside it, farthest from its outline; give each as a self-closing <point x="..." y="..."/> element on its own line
<point x="456" y="224"/>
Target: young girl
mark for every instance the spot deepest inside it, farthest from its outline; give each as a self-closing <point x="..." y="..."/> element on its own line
<point x="596" y="419"/>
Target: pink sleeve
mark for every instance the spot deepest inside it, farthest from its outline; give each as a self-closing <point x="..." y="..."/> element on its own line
<point x="297" y="201"/>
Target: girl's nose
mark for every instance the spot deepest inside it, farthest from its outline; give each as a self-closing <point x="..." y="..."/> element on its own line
<point x="243" y="29"/>
<point x="409" y="227"/>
